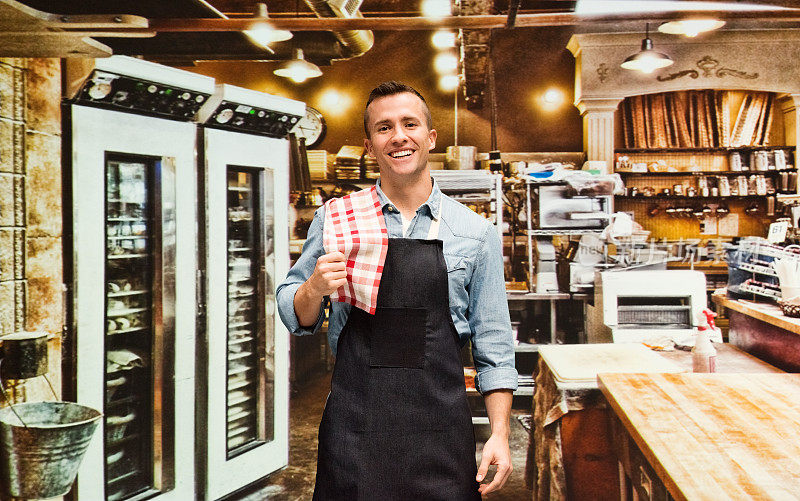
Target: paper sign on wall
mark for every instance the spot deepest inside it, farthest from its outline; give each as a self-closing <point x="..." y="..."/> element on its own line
<point x="729" y="225"/>
<point x="708" y="226"/>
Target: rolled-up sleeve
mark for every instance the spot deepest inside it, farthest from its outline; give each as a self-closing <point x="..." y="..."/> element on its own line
<point x="492" y="341"/>
<point x="299" y="273"/>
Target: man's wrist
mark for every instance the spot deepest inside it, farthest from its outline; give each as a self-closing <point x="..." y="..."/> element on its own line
<point x="501" y="430"/>
<point x="307" y="304"/>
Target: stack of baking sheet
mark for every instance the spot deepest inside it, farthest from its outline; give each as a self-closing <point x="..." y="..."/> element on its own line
<point x="348" y="162"/>
<point x="577" y="365"/>
<point x="319" y="164"/>
<point x="371" y="170"/>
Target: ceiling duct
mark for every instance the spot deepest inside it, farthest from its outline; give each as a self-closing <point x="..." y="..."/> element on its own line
<point x="354" y="42"/>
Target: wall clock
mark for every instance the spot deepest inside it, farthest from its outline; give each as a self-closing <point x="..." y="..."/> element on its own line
<point x="312" y="127"/>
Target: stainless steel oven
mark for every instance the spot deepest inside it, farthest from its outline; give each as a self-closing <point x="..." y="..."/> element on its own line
<point x="130" y="219"/>
<point x="243" y="353"/>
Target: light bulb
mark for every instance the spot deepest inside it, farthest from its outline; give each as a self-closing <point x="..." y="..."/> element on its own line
<point x="449" y="83"/>
<point x="298" y="70"/>
<point x="552" y="96"/>
<point x="264" y="34"/>
<point x="690" y="27"/>
<point x="436" y="8"/>
<point x="647" y="60"/>
<point x="443" y="39"/>
<point x="445" y="63"/>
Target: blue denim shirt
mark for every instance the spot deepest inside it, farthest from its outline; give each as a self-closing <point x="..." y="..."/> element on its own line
<point x="478" y="305"/>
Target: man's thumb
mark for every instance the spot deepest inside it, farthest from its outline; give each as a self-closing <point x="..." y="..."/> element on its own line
<point x="482" y="469"/>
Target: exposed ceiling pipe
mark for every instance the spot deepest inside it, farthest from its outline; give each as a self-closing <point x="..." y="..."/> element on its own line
<point x="353" y="42"/>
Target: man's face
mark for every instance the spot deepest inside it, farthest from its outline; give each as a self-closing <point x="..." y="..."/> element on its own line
<point x="399" y="135"/>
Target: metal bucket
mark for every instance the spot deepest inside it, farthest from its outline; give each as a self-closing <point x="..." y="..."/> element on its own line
<point x="24" y="355"/>
<point x="40" y="458"/>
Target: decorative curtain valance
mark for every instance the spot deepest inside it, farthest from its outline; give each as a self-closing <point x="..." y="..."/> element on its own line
<point x="696" y="119"/>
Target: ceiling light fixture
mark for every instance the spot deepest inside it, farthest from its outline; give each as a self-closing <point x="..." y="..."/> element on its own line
<point x="298" y="69"/>
<point x="690" y="27"/>
<point x="445" y="63"/>
<point x="449" y="83"/>
<point x="553" y="97"/>
<point x="262" y="32"/>
<point x="443" y="39"/>
<point x="436" y="8"/>
<point x="647" y="60"/>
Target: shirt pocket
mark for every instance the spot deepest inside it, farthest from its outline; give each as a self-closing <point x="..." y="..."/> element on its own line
<point x="456" y="276"/>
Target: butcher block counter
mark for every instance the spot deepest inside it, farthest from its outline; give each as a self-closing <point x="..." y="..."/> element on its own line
<point x="761" y="329"/>
<point x="571" y="454"/>
<point x="707" y="436"/>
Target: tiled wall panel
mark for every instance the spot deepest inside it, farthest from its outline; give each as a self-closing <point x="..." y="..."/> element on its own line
<point x="31" y="274"/>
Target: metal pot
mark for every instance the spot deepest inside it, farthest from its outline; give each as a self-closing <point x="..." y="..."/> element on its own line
<point x="24" y="355"/>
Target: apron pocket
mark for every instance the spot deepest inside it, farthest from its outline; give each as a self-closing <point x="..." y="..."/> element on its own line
<point x="397" y="337"/>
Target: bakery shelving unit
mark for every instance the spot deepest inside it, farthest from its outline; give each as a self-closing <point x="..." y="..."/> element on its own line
<point x="480" y="190"/>
<point x="748" y="173"/>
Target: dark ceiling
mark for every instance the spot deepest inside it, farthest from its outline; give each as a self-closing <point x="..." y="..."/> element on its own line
<point x="184" y="47"/>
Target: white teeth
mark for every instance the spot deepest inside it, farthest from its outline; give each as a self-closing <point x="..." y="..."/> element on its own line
<point x="400" y="154"/>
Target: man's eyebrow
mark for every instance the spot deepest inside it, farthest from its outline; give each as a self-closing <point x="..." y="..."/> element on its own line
<point x="402" y="119"/>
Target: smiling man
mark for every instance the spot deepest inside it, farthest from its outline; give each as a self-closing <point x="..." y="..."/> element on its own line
<point x="410" y="276"/>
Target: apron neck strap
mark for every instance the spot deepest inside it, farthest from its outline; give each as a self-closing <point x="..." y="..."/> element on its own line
<point x="433" y="231"/>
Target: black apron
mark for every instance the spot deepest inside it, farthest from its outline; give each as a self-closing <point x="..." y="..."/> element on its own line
<point x="397" y="425"/>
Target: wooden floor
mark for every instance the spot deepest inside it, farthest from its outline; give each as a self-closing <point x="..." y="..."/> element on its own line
<point x="296" y="481"/>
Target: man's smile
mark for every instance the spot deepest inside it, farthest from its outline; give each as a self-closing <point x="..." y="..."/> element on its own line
<point x="401" y="153"/>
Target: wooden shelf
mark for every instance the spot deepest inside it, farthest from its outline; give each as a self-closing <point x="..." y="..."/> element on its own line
<point x="684" y="197"/>
<point x="701" y="150"/>
<point x="709" y="267"/>
<point x="703" y="173"/>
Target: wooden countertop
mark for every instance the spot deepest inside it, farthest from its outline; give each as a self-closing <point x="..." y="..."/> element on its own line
<point x="714" y="436"/>
<point x="766" y="312"/>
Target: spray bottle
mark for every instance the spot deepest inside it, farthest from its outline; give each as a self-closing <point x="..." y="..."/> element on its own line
<point x="704" y="355"/>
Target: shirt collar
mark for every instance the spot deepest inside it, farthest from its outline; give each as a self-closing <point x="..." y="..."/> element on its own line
<point x="433" y="203"/>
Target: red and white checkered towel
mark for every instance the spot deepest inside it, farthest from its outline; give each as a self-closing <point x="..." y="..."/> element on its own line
<point x="354" y="225"/>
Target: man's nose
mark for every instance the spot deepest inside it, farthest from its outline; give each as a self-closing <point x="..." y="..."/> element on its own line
<point x="399" y="135"/>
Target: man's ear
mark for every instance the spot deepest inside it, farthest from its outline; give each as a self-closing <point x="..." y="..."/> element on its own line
<point x="432" y="136"/>
<point x="368" y="147"/>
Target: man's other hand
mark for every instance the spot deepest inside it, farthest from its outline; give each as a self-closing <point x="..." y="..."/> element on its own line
<point x="495" y="452"/>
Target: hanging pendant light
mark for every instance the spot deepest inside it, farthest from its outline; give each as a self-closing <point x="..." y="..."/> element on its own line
<point x="647" y="60"/>
<point x="298" y="69"/>
<point x="262" y="32"/>
<point x="690" y="27"/>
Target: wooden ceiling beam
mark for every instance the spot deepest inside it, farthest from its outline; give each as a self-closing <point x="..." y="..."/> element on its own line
<point x="464" y="22"/>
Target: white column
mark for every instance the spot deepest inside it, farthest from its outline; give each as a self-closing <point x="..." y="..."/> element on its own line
<point x="598" y="129"/>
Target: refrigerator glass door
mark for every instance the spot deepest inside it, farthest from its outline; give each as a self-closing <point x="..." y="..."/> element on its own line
<point x="246" y="387"/>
